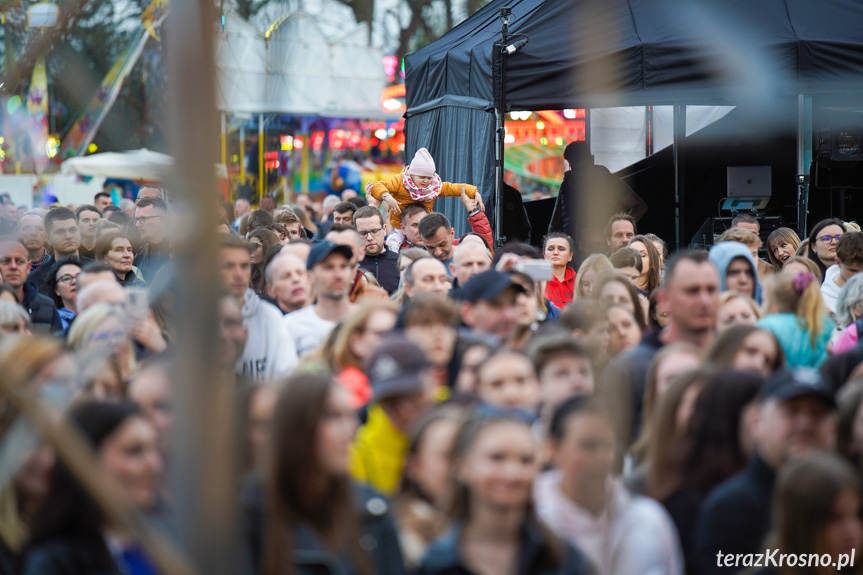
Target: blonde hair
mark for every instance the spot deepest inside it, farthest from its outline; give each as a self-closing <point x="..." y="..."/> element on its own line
<point x="88" y="321"/>
<point x="337" y="352"/>
<point x="596" y="262"/>
<point x="741" y="235"/>
<point x="13" y="526"/>
<point x="778" y="236"/>
<point x="799" y="294"/>
<point x="727" y="296"/>
<point x="21" y="360"/>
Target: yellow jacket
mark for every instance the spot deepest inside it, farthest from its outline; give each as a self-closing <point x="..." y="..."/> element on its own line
<point x="378" y="453"/>
<point x="396" y="187"/>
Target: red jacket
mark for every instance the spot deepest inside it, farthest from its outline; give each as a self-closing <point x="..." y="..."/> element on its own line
<point x="560" y="293"/>
<point x="479" y="224"/>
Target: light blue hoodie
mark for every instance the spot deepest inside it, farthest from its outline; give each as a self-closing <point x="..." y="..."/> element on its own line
<point x="721" y="255"/>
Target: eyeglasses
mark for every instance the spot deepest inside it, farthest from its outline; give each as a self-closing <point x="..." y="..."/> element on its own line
<point x="108" y="337"/>
<point x="371" y="232"/>
<point x="140" y="221"/>
<point x="65" y="279"/>
<point x="828" y="239"/>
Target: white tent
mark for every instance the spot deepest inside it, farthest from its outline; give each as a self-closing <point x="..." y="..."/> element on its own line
<point x="241" y="61"/>
<point x="140" y="164"/>
<point x="295" y="69"/>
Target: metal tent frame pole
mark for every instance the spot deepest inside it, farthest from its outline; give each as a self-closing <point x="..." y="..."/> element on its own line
<point x="680" y="174"/>
<point x="499" y="57"/>
<point x="804" y="160"/>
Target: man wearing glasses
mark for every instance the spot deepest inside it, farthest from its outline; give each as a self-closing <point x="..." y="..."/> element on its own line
<point x="151" y="216"/>
<point x="379" y="261"/>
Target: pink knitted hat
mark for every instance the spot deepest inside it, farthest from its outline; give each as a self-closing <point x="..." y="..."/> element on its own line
<point x="422" y="164"/>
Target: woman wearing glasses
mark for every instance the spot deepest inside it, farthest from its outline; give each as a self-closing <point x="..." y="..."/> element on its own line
<point x="822" y="243"/>
<point x="64" y="288"/>
<point x="101" y="333"/>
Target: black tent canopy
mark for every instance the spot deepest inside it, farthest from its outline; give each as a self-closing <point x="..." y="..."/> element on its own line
<point x="584" y="53"/>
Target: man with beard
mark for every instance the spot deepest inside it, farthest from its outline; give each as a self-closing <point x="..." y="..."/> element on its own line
<point x="31" y="231"/>
<point x="379" y="261"/>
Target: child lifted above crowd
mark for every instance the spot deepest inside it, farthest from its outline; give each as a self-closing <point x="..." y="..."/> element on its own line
<point x="418" y="183"/>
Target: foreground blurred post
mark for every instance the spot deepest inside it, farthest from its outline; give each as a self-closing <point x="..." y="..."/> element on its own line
<point x="202" y="461"/>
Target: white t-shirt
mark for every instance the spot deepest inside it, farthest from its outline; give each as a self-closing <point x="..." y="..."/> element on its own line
<point x="633" y="534"/>
<point x="269" y="351"/>
<point x="829" y="289"/>
<point x="308" y="329"/>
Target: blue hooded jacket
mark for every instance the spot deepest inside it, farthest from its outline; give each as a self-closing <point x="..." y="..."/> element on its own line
<point x="721" y="255"/>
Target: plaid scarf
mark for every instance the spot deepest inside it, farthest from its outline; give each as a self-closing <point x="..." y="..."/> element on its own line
<point x="426" y="194"/>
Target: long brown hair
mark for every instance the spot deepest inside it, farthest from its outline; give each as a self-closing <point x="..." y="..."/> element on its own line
<point x="337" y="351"/>
<point x="653" y="258"/>
<point x="723" y="351"/>
<point x="712" y="448"/>
<point x="299" y="490"/>
<point x="459" y="495"/>
<point x="651" y="396"/>
<point x="806" y="490"/>
<point x="606" y="278"/>
<point x="663" y="451"/>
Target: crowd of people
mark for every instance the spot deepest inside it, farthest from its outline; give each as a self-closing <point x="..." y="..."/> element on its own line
<point x="417" y="402"/>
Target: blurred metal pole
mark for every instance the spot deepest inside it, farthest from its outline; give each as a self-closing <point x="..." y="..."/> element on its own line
<point x="804" y="160"/>
<point x="499" y="77"/>
<point x="680" y="174"/>
<point x="202" y="460"/>
<point x="261" y="151"/>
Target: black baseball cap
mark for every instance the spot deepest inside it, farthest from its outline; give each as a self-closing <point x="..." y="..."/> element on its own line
<point x="802" y="381"/>
<point x="395" y="368"/>
<point x="487" y="285"/>
<point x="321" y="250"/>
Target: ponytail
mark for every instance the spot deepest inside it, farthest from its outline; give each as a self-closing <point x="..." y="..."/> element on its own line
<point x="810" y="306"/>
<point x="801" y="295"/>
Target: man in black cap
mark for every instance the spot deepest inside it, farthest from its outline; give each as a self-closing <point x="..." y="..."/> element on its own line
<point x="487" y="304"/>
<point x="402" y="390"/>
<point x="797" y="414"/>
<point x="330" y="273"/>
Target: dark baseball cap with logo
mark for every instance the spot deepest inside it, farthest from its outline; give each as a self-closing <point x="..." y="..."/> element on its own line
<point x="395" y="368"/>
<point x="321" y="250"/>
<point x="800" y="382"/>
<point x="487" y="286"/>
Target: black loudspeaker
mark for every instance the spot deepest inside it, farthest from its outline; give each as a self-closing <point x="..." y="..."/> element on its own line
<point x="841" y="143"/>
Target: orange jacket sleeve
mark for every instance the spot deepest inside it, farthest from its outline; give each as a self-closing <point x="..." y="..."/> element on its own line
<point x="448" y="189"/>
<point x="393" y="186"/>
